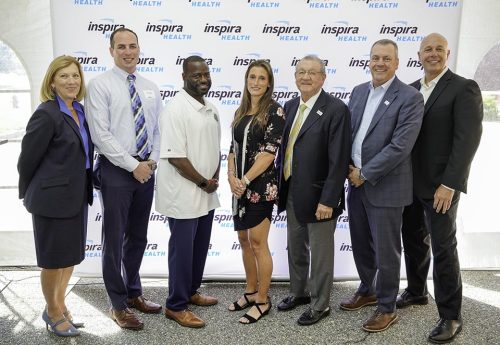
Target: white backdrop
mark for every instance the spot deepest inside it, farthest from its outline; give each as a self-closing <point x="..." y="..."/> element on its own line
<point x="229" y="34"/>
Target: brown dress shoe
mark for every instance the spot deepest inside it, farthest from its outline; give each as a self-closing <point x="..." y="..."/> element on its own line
<point x="142" y="304"/>
<point x="202" y="300"/>
<point x="357" y="302"/>
<point x="185" y="318"/>
<point x="126" y="319"/>
<point x="379" y="321"/>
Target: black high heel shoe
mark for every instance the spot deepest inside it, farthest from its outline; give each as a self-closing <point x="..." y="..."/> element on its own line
<point x="247" y="304"/>
<point x="251" y="319"/>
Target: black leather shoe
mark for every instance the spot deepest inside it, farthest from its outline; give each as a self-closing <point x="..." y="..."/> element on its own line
<point x="406" y="299"/>
<point x="310" y="317"/>
<point x="290" y="302"/>
<point x="445" y="331"/>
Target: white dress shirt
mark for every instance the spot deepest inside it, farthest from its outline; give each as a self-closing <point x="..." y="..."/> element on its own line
<point x="309" y="104"/>
<point x="110" y="117"/>
<point x="427" y="88"/>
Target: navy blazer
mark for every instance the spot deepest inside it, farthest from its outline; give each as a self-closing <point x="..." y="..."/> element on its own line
<point x="386" y="148"/>
<point x="53" y="178"/>
<point x="450" y="135"/>
<point x="320" y="158"/>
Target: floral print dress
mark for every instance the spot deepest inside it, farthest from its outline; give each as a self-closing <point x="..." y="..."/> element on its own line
<point x="267" y="139"/>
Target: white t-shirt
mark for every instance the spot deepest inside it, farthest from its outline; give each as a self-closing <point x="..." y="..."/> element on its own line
<point x="192" y="130"/>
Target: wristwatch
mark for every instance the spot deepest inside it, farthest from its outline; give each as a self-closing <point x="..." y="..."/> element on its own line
<point x="361" y="177"/>
<point x="203" y="184"/>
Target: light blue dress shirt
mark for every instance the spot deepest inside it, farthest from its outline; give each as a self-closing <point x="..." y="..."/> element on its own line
<point x="374" y="98"/>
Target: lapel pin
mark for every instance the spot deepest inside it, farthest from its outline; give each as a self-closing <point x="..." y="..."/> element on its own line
<point x="319" y="112"/>
<point x="386" y="102"/>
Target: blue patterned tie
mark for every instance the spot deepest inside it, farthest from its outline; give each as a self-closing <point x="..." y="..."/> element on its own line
<point x="141" y="133"/>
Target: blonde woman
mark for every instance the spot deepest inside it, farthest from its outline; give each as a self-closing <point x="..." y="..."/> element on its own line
<point x="55" y="182"/>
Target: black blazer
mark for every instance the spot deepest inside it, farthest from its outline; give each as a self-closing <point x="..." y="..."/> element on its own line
<point x="450" y="134"/>
<point x="52" y="175"/>
<point x="321" y="157"/>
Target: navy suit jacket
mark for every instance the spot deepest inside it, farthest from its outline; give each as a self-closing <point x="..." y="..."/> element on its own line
<point x="450" y="134"/>
<point x="52" y="175"/>
<point x="386" y="148"/>
<point x="320" y="158"/>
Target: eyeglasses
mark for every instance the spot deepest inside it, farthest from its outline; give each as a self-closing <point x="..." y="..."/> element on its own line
<point x="302" y="73"/>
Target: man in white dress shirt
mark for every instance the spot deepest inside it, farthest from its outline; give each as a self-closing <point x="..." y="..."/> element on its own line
<point x="122" y="110"/>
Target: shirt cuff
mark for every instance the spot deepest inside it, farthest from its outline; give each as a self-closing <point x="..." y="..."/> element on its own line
<point x="447" y="187"/>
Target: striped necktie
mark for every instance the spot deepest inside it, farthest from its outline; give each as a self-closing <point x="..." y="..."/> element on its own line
<point x="141" y="133"/>
<point x="291" y="141"/>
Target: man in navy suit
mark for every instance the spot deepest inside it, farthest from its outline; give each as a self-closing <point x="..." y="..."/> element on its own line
<point x="442" y="156"/>
<point x="313" y="159"/>
<point x="386" y="119"/>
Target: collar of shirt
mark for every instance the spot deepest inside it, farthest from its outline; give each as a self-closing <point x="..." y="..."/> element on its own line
<point x="310" y="102"/>
<point x="123" y="74"/>
<point x="194" y="103"/>
<point x="309" y="105"/>
<point x="384" y="86"/>
<point x="64" y="108"/>
<point x="434" y="81"/>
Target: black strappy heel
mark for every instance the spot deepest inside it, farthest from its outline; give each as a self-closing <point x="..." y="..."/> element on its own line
<point x="251" y="319"/>
<point x="247" y="304"/>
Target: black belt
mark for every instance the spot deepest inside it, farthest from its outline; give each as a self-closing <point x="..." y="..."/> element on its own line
<point x="146" y="158"/>
<point x="135" y="157"/>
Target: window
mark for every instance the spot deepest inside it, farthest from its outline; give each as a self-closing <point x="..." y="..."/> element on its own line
<point x="15" y="95"/>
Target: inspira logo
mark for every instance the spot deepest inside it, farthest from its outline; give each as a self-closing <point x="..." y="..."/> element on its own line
<point x="89" y="63"/>
<point x="147" y="64"/>
<point x="401" y="31"/>
<point x="88" y="2"/>
<point x="225" y="95"/>
<point x="168" y="30"/>
<point x="167" y="91"/>
<point x="105" y="26"/>
<point x="284" y="31"/>
<point x="204" y="4"/>
<point x="322" y="4"/>
<point x="281" y="94"/>
<point x="145" y="3"/>
<point x="210" y="61"/>
<point x="226" y="31"/>
<point x="379" y="4"/>
<point x="263" y="4"/>
<point x="441" y="4"/>
<point x="343" y="32"/>
<point x="362" y="62"/>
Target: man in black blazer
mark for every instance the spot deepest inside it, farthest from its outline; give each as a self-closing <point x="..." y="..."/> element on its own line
<point x="313" y="160"/>
<point x="442" y="156"/>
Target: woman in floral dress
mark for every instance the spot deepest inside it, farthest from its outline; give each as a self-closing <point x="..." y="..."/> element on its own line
<point x="257" y="128"/>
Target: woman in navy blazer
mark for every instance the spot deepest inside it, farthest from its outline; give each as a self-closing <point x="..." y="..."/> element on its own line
<point x="55" y="167"/>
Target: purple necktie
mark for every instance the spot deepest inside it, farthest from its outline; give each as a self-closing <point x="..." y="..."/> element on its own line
<point x="141" y="133"/>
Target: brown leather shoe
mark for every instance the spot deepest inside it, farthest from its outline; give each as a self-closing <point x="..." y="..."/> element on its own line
<point x="142" y="304"/>
<point x="185" y="318"/>
<point x="357" y="302"/>
<point x="379" y="321"/>
<point x="126" y="318"/>
<point x="202" y="300"/>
